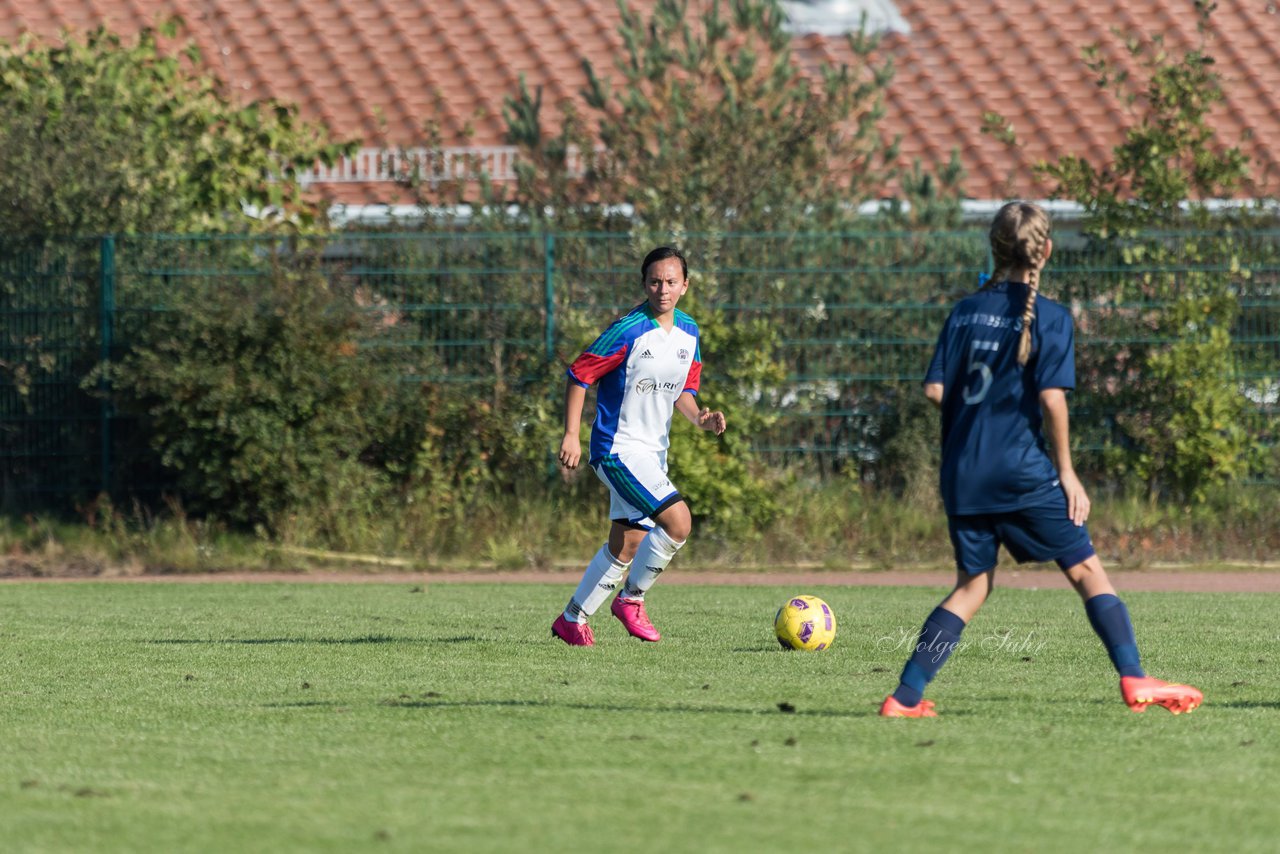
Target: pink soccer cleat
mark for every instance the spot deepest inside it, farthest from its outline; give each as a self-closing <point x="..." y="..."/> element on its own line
<point x="891" y="708"/>
<point x="574" y="634"/>
<point x="631" y="613"/>
<point x="1142" y="691"/>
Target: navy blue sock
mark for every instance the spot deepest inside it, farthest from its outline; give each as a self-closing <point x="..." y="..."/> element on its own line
<point x="1110" y="619"/>
<point x="937" y="641"/>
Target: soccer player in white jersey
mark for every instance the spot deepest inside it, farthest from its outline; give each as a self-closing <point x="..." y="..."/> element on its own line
<point x="647" y="364"/>
<point x="1000" y="373"/>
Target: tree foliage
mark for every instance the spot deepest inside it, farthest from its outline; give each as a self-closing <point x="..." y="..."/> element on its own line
<point x="1170" y="154"/>
<point x="1182" y="412"/>
<point x="707" y="122"/>
<point x="108" y="135"/>
<point x="711" y="123"/>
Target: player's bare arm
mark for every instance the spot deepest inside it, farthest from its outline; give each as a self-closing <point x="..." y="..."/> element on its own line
<point x="1053" y="402"/>
<point x="704" y="418"/>
<point x="571" y="445"/>
<point x="933" y="391"/>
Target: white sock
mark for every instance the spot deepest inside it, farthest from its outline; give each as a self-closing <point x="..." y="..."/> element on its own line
<point x="597" y="584"/>
<point x="655" y="552"/>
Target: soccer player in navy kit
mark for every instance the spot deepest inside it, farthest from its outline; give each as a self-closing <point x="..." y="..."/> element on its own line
<point x="1004" y="361"/>
<point x="647" y="363"/>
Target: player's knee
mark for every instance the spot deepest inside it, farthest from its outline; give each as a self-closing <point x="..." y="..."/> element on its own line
<point x="1089" y="578"/>
<point x="623" y="541"/>
<point x="678" y="528"/>
<point x="675" y="521"/>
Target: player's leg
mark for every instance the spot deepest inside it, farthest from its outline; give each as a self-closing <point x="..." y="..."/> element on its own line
<point x="970" y="592"/>
<point x="646" y="511"/>
<point x="641" y="479"/>
<point x="1111" y="622"/>
<point x="1047" y="533"/>
<point x="938" y="638"/>
<point x="1107" y="614"/>
<point x="625" y="538"/>
<point x="975" y="548"/>
<point x="653" y="554"/>
<point x="605" y="570"/>
<point x="599" y="580"/>
<point x="659" y="546"/>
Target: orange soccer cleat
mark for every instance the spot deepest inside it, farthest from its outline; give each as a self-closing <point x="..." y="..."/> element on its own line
<point x="1142" y="691"/>
<point x="891" y="708"/>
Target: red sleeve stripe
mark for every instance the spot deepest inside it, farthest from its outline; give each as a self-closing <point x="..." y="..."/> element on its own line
<point x="694" y="379"/>
<point x="589" y="367"/>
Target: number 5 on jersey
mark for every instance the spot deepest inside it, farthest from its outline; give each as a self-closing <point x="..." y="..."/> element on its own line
<point x="982" y="384"/>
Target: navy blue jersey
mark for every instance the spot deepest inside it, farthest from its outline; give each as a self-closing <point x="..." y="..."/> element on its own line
<point x="993" y="452"/>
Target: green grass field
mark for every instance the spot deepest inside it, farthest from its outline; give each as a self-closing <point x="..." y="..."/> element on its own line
<point x="430" y="717"/>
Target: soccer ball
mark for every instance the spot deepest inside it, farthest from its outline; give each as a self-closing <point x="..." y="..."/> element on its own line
<point x="806" y="623"/>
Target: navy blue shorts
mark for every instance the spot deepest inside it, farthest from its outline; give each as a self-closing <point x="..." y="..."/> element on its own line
<point x="1041" y="533"/>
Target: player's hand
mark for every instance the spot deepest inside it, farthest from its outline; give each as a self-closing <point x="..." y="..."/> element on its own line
<point x="1077" y="499"/>
<point x="713" y="421"/>
<point x="570" y="451"/>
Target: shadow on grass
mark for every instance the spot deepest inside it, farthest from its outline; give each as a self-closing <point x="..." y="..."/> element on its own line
<point x="356" y="640"/>
<point x="606" y="707"/>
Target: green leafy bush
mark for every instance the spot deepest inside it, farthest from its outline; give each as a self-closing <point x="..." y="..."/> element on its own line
<point x="909" y="439"/>
<point x="272" y="395"/>
<point x="471" y="447"/>
<point x="1193" y="433"/>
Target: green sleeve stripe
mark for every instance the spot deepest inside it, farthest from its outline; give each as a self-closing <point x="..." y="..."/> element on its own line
<point x="608" y="341"/>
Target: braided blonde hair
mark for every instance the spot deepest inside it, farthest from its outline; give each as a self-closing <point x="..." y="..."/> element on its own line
<point x="1019" y="236"/>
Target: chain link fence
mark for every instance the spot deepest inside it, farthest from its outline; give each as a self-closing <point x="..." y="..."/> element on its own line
<point x="854" y="319"/>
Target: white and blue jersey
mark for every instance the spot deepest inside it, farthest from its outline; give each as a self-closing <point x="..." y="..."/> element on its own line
<point x="993" y="452"/>
<point x="642" y="369"/>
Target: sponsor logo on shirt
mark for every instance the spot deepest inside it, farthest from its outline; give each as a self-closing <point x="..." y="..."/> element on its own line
<point x="652" y="386"/>
<point x="647" y="355"/>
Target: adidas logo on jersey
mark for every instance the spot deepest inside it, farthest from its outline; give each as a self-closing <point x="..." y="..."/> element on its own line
<point x="646" y="355"/>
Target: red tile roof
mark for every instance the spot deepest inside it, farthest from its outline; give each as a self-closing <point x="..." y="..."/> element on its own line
<point x="378" y="70"/>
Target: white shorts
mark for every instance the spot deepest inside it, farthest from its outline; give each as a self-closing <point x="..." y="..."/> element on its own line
<point x="638" y="486"/>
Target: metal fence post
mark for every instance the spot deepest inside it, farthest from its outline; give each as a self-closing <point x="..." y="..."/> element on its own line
<point x="106" y="319"/>
<point x="549" y="294"/>
<point x="549" y="327"/>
